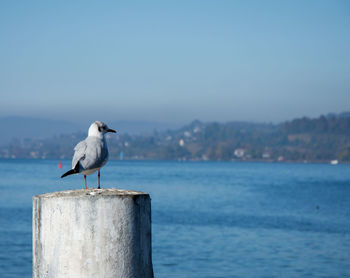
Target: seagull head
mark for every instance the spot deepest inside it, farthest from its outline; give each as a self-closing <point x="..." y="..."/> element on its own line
<point x="99" y="129"/>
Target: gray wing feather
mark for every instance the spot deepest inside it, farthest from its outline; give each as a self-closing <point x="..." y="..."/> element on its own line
<point x="79" y="153"/>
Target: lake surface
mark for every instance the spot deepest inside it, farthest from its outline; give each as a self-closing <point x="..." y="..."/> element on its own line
<point x="210" y="219"/>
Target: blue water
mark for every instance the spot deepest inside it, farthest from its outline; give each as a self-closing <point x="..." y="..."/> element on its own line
<point x="210" y="219"/>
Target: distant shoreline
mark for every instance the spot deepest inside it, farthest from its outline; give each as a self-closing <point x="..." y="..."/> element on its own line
<point x="182" y="160"/>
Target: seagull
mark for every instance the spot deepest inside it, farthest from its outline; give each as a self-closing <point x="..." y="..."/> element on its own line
<point x="91" y="154"/>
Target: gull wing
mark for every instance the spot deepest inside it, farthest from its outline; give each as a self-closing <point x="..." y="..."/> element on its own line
<point x="80" y="152"/>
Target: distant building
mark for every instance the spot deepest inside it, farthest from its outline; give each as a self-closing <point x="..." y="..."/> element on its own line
<point x="34" y="154"/>
<point x="239" y="153"/>
<point x="266" y="155"/>
<point x="196" y="129"/>
<point x="205" y="158"/>
<point x="181" y="142"/>
<point x="187" y="134"/>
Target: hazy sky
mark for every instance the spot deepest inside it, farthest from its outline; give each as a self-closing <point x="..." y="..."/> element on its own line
<point x="174" y="61"/>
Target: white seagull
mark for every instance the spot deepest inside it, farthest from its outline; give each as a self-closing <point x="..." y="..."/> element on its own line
<point x="91" y="154"/>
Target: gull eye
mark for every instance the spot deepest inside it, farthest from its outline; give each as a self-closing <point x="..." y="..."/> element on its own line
<point x="99" y="129"/>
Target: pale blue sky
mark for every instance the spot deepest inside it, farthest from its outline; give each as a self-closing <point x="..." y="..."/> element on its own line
<point x="174" y="61"/>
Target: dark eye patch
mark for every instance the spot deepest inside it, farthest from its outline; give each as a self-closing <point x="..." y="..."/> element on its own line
<point x="99" y="129"/>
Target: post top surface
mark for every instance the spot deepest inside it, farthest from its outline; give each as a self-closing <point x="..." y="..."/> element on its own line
<point x="91" y="192"/>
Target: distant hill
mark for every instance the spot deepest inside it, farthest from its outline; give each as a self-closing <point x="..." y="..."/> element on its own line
<point x="345" y="114"/>
<point x="20" y="128"/>
<point x="141" y="127"/>
<point x="37" y="128"/>
<point x="319" y="139"/>
<point x="321" y="125"/>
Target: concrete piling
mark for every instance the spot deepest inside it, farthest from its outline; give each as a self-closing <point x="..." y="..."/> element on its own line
<point x="92" y="233"/>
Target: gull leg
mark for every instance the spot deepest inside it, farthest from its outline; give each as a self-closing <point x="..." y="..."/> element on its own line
<point x="98" y="179"/>
<point x="85" y="181"/>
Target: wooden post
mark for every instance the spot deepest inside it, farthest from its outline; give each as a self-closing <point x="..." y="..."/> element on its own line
<point x="92" y="233"/>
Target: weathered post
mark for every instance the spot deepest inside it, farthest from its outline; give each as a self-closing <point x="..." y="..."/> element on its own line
<point x="92" y="233"/>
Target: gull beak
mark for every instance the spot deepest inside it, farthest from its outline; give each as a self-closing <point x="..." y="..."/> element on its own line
<point x="111" y="130"/>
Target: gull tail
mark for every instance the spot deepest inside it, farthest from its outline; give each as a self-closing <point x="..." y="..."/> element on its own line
<point x="70" y="172"/>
